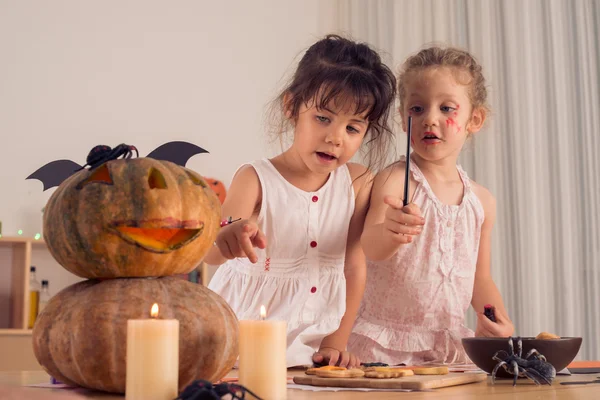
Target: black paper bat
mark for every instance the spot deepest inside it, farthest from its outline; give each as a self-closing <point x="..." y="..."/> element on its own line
<point x="176" y="152"/>
<point x="55" y="172"/>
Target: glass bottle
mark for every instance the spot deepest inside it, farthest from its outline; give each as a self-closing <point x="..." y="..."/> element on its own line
<point x="44" y="296"/>
<point x="34" y="297"/>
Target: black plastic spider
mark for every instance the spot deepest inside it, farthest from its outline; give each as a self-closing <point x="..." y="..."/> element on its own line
<point x="536" y="369"/>
<point x="102" y="153"/>
<point x="204" y="390"/>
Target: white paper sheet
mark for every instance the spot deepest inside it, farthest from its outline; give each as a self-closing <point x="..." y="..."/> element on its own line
<point x="53" y="386"/>
<point x="344" y="389"/>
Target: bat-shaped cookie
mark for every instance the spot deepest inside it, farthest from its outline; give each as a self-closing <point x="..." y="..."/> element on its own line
<point x="55" y="172"/>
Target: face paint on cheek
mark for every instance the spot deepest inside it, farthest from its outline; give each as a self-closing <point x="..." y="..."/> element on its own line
<point x="450" y="122"/>
<point x="412" y="140"/>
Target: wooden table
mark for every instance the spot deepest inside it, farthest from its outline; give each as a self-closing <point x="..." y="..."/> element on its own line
<point x="503" y="389"/>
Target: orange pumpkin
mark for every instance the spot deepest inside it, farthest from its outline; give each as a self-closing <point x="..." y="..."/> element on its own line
<point x="218" y="187"/>
<point x="80" y="337"/>
<point x="131" y="218"/>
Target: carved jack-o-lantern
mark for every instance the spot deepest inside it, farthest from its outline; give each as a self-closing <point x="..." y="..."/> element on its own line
<point x="218" y="187"/>
<point x="131" y="218"/>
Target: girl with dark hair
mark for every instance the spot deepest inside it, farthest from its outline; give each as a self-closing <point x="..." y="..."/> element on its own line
<point x="296" y="249"/>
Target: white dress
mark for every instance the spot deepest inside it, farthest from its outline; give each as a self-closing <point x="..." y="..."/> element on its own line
<point x="299" y="277"/>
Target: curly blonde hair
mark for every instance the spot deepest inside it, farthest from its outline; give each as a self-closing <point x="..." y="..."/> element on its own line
<point x="458" y="60"/>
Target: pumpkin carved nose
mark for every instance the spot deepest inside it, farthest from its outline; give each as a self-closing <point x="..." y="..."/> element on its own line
<point x="156" y="180"/>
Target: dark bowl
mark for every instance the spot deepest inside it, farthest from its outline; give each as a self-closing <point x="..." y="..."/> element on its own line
<point x="558" y="352"/>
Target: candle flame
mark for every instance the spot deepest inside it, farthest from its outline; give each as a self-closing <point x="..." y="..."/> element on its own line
<point x="263" y="312"/>
<point x="154" y="311"/>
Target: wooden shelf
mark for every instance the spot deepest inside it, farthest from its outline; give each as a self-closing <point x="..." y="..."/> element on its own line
<point x="15" y="332"/>
<point x="17" y="255"/>
<point x="21" y="239"/>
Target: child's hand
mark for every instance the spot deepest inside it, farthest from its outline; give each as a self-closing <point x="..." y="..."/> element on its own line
<point x="402" y="222"/>
<point x="503" y="327"/>
<point x="331" y="356"/>
<point x="239" y="239"/>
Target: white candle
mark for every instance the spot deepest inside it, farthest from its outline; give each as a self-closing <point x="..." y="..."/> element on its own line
<point x="152" y="358"/>
<point x="262" y="361"/>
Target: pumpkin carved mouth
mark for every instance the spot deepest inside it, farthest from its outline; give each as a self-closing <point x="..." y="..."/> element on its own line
<point x="159" y="236"/>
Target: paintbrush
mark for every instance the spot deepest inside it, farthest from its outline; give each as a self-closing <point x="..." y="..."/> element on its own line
<point x="407" y="171"/>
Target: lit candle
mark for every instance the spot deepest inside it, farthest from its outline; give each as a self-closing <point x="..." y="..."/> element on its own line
<point x="262" y="362"/>
<point x="152" y="358"/>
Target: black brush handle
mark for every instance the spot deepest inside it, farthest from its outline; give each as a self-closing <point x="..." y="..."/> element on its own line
<point x="488" y="311"/>
<point x="407" y="171"/>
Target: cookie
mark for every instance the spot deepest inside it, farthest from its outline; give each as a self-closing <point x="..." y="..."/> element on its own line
<point x="430" y="370"/>
<point x="546" y="336"/>
<point x="344" y="373"/>
<point x="313" y="371"/>
<point x="387" y="373"/>
<point x="380" y="369"/>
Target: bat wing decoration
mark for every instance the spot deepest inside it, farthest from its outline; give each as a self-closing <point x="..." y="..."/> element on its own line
<point x="176" y="152"/>
<point x="55" y="172"/>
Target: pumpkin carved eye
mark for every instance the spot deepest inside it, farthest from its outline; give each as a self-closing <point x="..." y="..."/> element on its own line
<point x="195" y="179"/>
<point x="156" y="180"/>
<point x="99" y="175"/>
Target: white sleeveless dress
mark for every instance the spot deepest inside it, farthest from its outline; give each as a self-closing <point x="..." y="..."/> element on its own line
<point x="299" y="277"/>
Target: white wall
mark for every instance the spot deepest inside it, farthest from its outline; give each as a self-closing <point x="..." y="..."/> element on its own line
<point x="74" y="74"/>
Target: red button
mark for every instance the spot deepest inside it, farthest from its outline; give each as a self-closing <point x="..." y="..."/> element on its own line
<point x="315" y="199"/>
<point x="313" y="289"/>
<point x="313" y="244"/>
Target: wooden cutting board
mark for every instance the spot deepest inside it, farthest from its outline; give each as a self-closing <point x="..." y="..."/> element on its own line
<point x="415" y="382"/>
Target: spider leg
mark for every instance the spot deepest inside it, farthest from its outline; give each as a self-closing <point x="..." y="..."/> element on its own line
<point x="519" y="346"/>
<point x="236" y="392"/>
<point x="246" y="390"/>
<point x="511" y="347"/>
<point x="124" y="150"/>
<point x="536" y="377"/>
<point x="501" y="363"/>
<point x="132" y="149"/>
<point x="503" y="355"/>
<point x="515" y="372"/>
<point x="114" y="152"/>
<point x="536" y="354"/>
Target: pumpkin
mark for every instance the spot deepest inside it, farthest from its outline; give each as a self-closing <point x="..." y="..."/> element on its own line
<point x="218" y="187"/>
<point x="80" y="337"/>
<point x="131" y="218"/>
